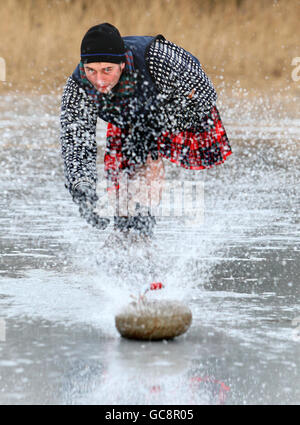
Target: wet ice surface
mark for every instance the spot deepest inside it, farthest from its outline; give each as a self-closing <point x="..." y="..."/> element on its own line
<point x="238" y="272"/>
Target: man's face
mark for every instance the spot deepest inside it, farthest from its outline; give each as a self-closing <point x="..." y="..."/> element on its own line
<point x="103" y="75"/>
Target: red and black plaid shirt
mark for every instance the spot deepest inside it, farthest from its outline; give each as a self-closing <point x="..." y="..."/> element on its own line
<point x="192" y="150"/>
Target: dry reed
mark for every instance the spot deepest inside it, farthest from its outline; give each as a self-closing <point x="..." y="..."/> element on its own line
<point x="251" y="41"/>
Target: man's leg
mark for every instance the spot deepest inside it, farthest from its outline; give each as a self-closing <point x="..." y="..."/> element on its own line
<point x="138" y="194"/>
<point x="139" y="224"/>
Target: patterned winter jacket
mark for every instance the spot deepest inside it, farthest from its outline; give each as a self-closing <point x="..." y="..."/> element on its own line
<point x="170" y="92"/>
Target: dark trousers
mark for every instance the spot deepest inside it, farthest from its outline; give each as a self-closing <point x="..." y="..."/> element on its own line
<point x="141" y="224"/>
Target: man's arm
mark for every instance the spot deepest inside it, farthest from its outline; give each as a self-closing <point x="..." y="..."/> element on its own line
<point x="78" y="137"/>
<point x="189" y="93"/>
<point x="79" y="150"/>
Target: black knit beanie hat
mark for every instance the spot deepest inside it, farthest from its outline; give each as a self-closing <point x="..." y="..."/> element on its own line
<point x="102" y="43"/>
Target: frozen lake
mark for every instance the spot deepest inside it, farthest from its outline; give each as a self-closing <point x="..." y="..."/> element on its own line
<point x="238" y="271"/>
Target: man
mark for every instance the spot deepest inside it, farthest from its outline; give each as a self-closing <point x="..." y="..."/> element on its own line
<point x="157" y="101"/>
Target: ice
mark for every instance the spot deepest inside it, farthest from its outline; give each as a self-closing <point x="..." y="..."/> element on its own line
<point x="238" y="271"/>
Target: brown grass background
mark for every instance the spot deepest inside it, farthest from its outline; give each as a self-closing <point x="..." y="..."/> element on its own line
<point x="247" y="43"/>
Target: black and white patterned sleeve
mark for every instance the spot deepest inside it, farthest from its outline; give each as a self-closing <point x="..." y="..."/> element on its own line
<point x="78" y="136"/>
<point x="180" y="78"/>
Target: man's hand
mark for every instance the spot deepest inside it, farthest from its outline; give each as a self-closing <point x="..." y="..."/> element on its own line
<point x="84" y="195"/>
<point x="92" y="217"/>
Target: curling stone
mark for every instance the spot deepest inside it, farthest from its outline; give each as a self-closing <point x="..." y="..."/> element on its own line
<point x="153" y="319"/>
